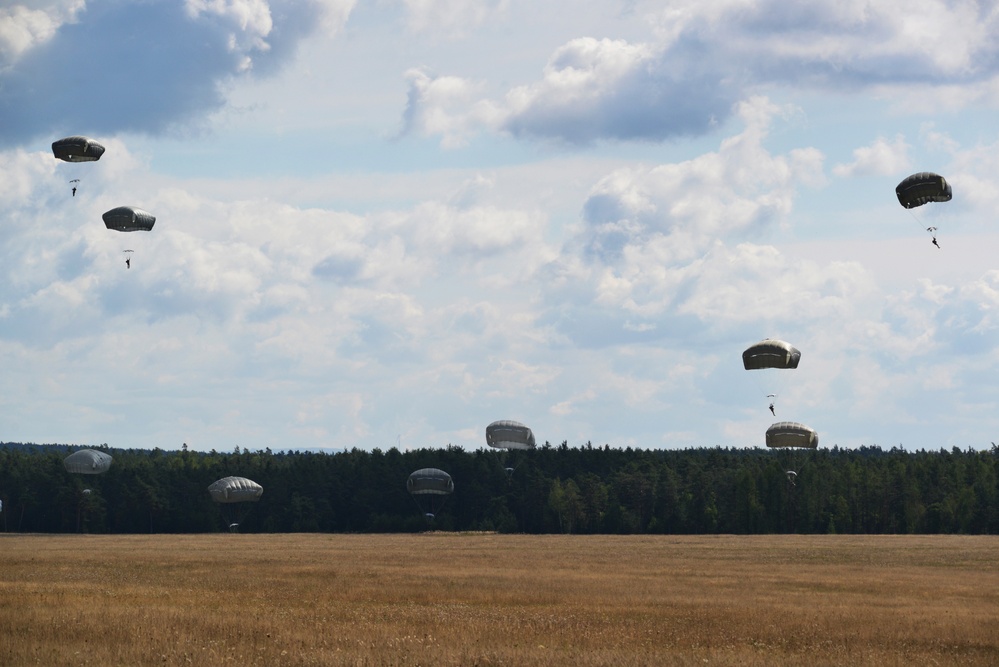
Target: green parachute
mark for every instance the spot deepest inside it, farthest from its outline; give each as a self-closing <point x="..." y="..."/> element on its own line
<point x="789" y="437"/>
<point x="233" y="495"/>
<point x="430" y="488"/>
<point x="507" y="435"/>
<point x="772" y="358"/>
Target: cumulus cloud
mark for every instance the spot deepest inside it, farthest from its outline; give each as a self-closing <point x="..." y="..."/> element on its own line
<point x="309" y="288"/>
<point x="881" y="158"/>
<point x="145" y="67"/>
<point x="703" y="58"/>
<point x="850" y="43"/>
<point x="686" y="206"/>
<point x="613" y="89"/>
<point x="445" y="106"/>
<point x="240" y="298"/>
<point x="591" y="89"/>
<point x="26" y="25"/>
<point x="248" y="23"/>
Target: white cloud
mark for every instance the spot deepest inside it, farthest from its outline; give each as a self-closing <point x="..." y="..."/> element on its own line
<point x="686" y="206"/>
<point x="176" y="76"/>
<point x="333" y="14"/>
<point x="702" y="58"/>
<point x="249" y="22"/>
<point x="881" y="158"/>
<point x="25" y="25"/>
<point x="444" y="106"/>
<point x="294" y="296"/>
<point x="611" y="88"/>
<point x="20" y="173"/>
<point x="453" y="18"/>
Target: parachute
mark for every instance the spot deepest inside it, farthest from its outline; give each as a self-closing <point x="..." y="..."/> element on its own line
<point x="509" y="435"/>
<point x="791" y="434"/>
<point x="232" y="494"/>
<point x="77" y="149"/>
<point x="771" y="353"/>
<point x="129" y="219"/>
<point x="923" y="188"/>
<point x="773" y="357"/>
<point x="87" y="462"/>
<point x="788" y="437"/>
<point x="430" y="488"/>
<point x="235" y="490"/>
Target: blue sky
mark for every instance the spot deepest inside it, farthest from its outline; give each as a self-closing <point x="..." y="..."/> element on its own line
<point x="391" y="222"/>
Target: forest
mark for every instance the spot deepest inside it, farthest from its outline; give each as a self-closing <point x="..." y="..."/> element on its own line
<point x="551" y="489"/>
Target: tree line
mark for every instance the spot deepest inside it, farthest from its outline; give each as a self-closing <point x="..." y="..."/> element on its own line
<point x="552" y="489"/>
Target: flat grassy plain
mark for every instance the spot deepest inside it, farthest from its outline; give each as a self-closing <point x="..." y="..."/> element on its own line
<point x="485" y="599"/>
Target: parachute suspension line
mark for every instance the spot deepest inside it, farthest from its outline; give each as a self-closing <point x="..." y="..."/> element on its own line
<point x="928" y="229"/>
<point x="427" y="516"/>
<point x="788" y="461"/>
<point x="770" y="384"/>
<point x="508" y="461"/>
<point x="428" y="513"/>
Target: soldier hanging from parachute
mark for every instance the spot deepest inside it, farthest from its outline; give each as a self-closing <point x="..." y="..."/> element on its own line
<point x="773" y="357"/>
<point x="923" y="188"/>
<point x="77" y="149"/>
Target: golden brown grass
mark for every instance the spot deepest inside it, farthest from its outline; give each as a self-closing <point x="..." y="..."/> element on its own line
<point x="481" y="599"/>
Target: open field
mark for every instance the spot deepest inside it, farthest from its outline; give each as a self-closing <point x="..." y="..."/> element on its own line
<point x="483" y="599"/>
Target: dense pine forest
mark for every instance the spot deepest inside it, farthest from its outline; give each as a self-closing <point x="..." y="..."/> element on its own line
<point x="551" y="489"/>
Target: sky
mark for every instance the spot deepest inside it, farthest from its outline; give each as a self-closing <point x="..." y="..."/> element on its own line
<point x="388" y="223"/>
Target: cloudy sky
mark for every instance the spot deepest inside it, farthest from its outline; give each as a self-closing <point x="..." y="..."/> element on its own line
<point x="390" y="222"/>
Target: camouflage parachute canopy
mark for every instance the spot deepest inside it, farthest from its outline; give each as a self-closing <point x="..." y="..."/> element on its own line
<point x="430" y="481"/>
<point x="791" y="434"/>
<point x="77" y="149"/>
<point x="129" y="219"/>
<point x="235" y="490"/>
<point x="508" y="434"/>
<point x="87" y="462"/>
<point x="923" y="188"/>
<point x="771" y="353"/>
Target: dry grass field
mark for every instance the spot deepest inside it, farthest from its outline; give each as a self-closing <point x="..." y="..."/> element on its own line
<point x="482" y="599"/>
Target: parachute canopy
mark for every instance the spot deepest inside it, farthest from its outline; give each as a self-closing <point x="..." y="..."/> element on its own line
<point x="791" y="434"/>
<point x="235" y="490"/>
<point x="771" y="353"/>
<point x="87" y="462"/>
<point x="923" y="188"/>
<point x="77" y="149"/>
<point x="430" y="481"/>
<point x="507" y="434"/>
<point x="129" y="219"/>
